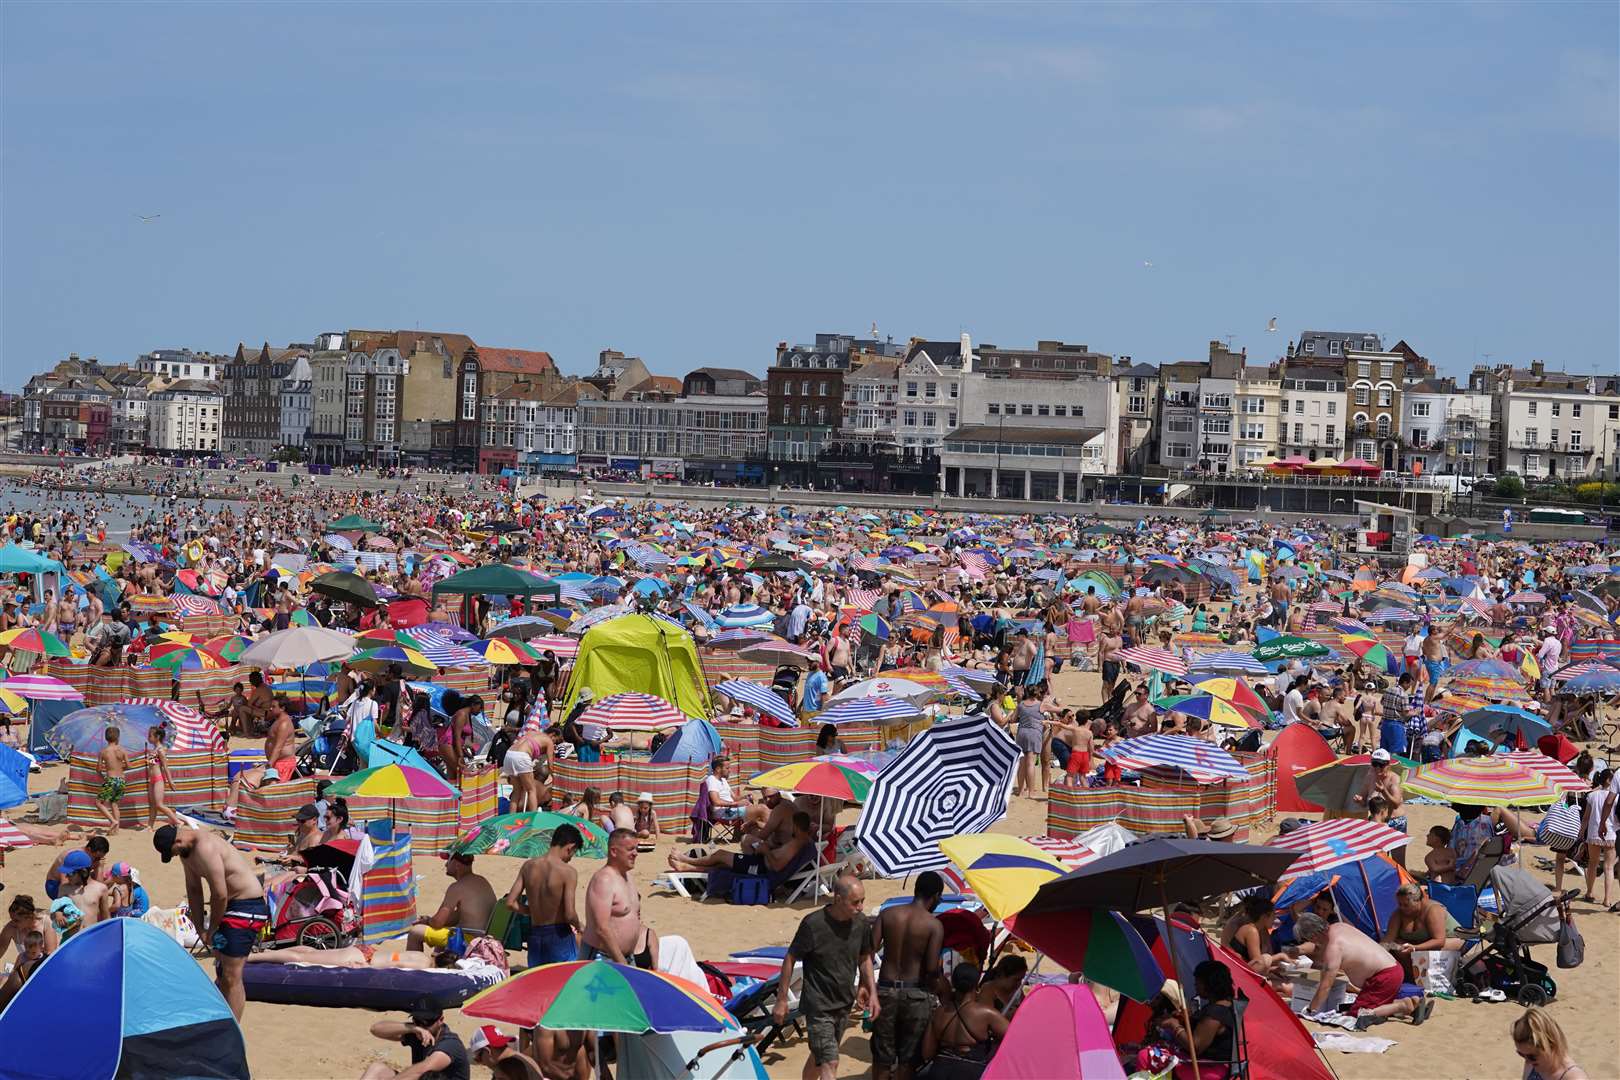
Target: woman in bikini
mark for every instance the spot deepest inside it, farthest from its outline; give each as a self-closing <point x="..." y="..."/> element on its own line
<point x="157" y="778"/>
<point x="963" y="1033"/>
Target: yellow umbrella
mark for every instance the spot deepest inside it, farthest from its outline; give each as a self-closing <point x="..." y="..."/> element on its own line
<point x="1004" y="871"/>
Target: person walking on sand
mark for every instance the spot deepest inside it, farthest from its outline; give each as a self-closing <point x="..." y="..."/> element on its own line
<point x="835" y="945"/>
<point x="549" y="883"/>
<point x="910" y="938"/>
<point x="111" y="765"/>
<point x="236" y="911"/>
<point x="157" y="779"/>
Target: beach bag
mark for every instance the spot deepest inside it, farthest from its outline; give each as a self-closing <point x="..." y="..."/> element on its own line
<point x="1438" y="968"/>
<point x="1571" y="946"/>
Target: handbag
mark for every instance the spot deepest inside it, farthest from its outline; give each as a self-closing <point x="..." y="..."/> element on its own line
<point x="1571" y="946"/>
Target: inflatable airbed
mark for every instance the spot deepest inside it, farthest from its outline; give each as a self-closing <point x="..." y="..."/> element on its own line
<point x="382" y="989"/>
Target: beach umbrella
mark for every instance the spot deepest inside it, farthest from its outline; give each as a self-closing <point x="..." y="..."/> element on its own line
<point x="346" y="587"/>
<point x="744" y="615"/>
<point x="528" y="834"/>
<point x="871" y="710"/>
<point x="1003" y="871"/>
<point x="1372" y="652"/>
<point x="737" y="638"/>
<point x="31" y="639"/>
<point x="84" y="731"/>
<point x="143" y="1008"/>
<point x="354" y="523"/>
<point x="779" y="653"/>
<point x="525" y="627"/>
<point x="1160" y="872"/>
<point x="387" y="656"/>
<point x="823" y="778"/>
<point x="1489" y="689"/>
<point x="38" y="687"/>
<point x="760" y="697"/>
<point x="1153" y="659"/>
<point x="297" y="647"/>
<point x="176" y="658"/>
<point x="394" y="782"/>
<point x="874" y="625"/>
<point x="1202" y="761"/>
<point x="186" y="727"/>
<point x="952" y="779"/>
<point x="1238" y="693"/>
<point x="1508" y="719"/>
<point x="1288" y="647"/>
<point x="1599" y="681"/>
<point x="681" y="1055"/>
<point x="632" y="712"/>
<point x="1561" y="776"/>
<point x="598" y="995"/>
<point x="1334" y="785"/>
<point x="888" y="687"/>
<point x="1481" y="781"/>
<point x="563" y="648"/>
<point x="1327" y="844"/>
<point x="228" y="647"/>
<point x="12" y="704"/>
<point x="1101" y="945"/>
<point x="505" y="651"/>
<point x="1486" y="670"/>
<point x="1208" y="707"/>
<point x="1224" y="663"/>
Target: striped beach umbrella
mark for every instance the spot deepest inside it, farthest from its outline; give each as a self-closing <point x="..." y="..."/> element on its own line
<point x="1562" y="776"/>
<point x="1372" y="652"/>
<point x="1202" y="761"/>
<point x="633" y="712"/>
<point x="187" y="728"/>
<point x="759" y="697"/>
<point x="744" y="615"/>
<point x="502" y="651"/>
<point x="1238" y="693"/>
<point x="872" y="710"/>
<point x="887" y="687"/>
<point x="192" y="604"/>
<point x="1482" y="781"/>
<point x="1328" y="844"/>
<point x="1144" y="656"/>
<point x="176" y="658"/>
<point x="954" y="778"/>
<point x="380" y="659"/>
<point x="563" y="648"/>
<point x="1225" y="663"/>
<point x="39" y="687"/>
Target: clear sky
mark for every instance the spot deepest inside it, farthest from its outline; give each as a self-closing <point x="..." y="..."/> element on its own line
<point x="694" y="183"/>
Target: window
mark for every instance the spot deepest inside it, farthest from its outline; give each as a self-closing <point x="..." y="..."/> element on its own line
<point x="1575" y="408"/>
<point x="1299" y="407"/>
<point x="911" y="389"/>
<point x="1027" y="410"/>
<point x="804" y="388"/>
<point x="1386" y="370"/>
<point x="1363" y="396"/>
<point x="952" y="420"/>
<point x="1557" y="408"/>
<point x="1310" y="346"/>
<point x="1533" y="408"/>
<point x="821" y="388"/>
<point x="909" y="418"/>
<point x="1136" y="405"/>
<point x="1333" y="408"/>
<point x="1060" y="410"/>
<point x="1385" y="396"/>
<point x="1333" y="348"/>
<point x="1331" y="435"/>
<point x="1532" y="464"/>
<point x="930" y="419"/>
<point x="1383" y="426"/>
<point x="993" y="409"/>
<point x="1254" y="431"/>
<point x="1178" y="450"/>
<point x="1042" y="410"/>
<point x="1530" y="436"/>
<point x="930" y="389"/>
<point x="1253" y="405"/>
<point x="1574" y="440"/>
<point x="1614" y="412"/>
<point x="1217" y="425"/>
<point x="1366" y="450"/>
<point x="1299" y="433"/>
<point x="1420" y="408"/>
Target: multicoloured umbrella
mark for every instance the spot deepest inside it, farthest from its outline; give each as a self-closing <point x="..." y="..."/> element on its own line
<point x="11" y="703"/>
<point x="1327" y="844"/>
<point x="32" y="639"/>
<point x="823" y="778"/>
<point x="39" y="687"/>
<point x="1372" y="652"/>
<point x="598" y="995"/>
<point x="187" y="728"/>
<point x="1207" y="707"/>
<point x="1202" y="761"/>
<point x="504" y="651"/>
<point x="633" y="712"/>
<point x="528" y="834"/>
<point x="380" y="659"/>
<point x="395" y="782"/>
<point x="1562" y="776"/>
<point x="1102" y="945"/>
<point x="1237" y="692"/>
<point x="872" y="710"/>
<point x="177" y="658"/>
<point x="227" y="647"/>
<point x="1333" y="786"/>
<point x="1482" y="781"/>
<point x="1003" y="871"/>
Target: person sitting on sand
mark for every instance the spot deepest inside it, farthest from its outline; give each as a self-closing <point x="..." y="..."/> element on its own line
<point x="645" y="822"/>
<point x="282" y="762"/>
<point x="1418" y="924"/>
<point x="467" y="906"/>
<point x="771" y="861"/>
<point x="436" y="1050"/>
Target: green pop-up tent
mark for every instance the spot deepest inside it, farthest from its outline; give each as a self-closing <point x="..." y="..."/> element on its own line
<point x="354" y="523"/>
<point x="640" y="654"/>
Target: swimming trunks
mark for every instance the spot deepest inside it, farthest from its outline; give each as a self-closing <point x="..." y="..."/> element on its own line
<point x="112" y="789"/>
<point x="285" y="768"/>
<point x="1378" y="990"/>
<point x="1079" y="763"/>
<point x="552" y="944"/>
<point x="240" y="926"/>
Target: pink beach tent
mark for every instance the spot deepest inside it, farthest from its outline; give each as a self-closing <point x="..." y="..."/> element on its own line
<point x="1057" y="1031"/>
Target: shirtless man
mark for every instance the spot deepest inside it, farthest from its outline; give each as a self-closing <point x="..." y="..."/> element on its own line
<point x="773" y="860"/>
<point x="1384" y="781"/>
<point x="88" y="893"/>
<point x="1109" y="642"/>
<point x="112" y="763"/>
<point x="562" y="1055"/>
<point x="838" y="658"/>
<point x="467" y="904"/>
<point x="1340" y="713"/>
<point x="910" y="938"/>
<point x="613" y="908"/>
<point x="1374" y="973"/>
<point x="1140" y="716"/>
<point x="278" y="751"/>
<point x="236" y="911"/>
<point x="1436" y="660"/>
<point x="549" y="883"/>
<point x="1080" y="741"/>
<point x="1023" y="657"/>
<point x="257" y="704"/>
<point x="774" y="829"/>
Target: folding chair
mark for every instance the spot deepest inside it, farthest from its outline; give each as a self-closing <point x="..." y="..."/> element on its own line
<point x="706" y="828"/>
<point x="1490" y="854"/>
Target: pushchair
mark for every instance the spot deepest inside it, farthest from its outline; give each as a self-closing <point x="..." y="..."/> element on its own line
<point x="314" y="908"/>
<point x="330" y="748"/>
<point x="1527" y="913"/>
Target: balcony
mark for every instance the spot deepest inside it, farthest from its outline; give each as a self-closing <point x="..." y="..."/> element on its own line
<point x="1540" y="447"/>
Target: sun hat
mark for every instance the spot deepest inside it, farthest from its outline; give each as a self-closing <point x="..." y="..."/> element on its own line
<point x="1221" y="828"/>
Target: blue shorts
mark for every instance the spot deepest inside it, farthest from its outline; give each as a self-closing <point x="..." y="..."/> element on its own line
<point x="1060" y="753"/>
<point x="552" y="944"/>
<point x="1436" y="668"/>
<point x="726" y="813"/>
<point x="240" y="927"/>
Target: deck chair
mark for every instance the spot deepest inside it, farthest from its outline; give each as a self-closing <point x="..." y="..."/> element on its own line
<point x="1461" y="903"/>
<point x="1239" y="1068"/>
<point x="1490" y="854"/>
<point x="706" y="827"/>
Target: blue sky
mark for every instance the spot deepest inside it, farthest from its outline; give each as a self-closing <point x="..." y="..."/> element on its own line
<point x="693" y="183"/>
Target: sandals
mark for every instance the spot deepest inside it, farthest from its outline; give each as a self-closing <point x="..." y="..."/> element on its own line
<point x="1492" y="995"/>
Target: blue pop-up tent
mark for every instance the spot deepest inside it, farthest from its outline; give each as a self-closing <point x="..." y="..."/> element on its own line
<point x="140" y="1007"/>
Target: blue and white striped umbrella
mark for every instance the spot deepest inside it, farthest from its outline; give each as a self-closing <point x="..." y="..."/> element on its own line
<point x="645" y="555"/>
<point x="1225" y="663"/>
<point x="954" y="778"/>
<point x="1201" y="760"/>
<point x="702" y="617"/>
<point x="760" y="697"/>
<point x="598" y="615"/>
<point x="872" y="710"/>
<point x="744" y="615"/>
<point x="1392" y="615"/>
<point x="444" y="652"/>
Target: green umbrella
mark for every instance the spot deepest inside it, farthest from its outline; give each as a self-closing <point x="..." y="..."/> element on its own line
<point x="347" y="587"/>
<point x="525" y="835"/>
<point x="1289" y="647"/>
<point x="354" y="523"/>
<point x="497" y="579"/>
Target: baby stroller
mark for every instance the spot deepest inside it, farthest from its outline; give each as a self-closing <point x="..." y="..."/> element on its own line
<point x="330" y="748"/>
<point x="314" y="907"/>
<point x="1527" y="913"/>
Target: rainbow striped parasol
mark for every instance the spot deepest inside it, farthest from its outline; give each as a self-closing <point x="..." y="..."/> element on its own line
<point x="1482" y="781"/>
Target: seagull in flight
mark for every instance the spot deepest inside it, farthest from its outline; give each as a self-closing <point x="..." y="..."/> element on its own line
<point x="1148" y="263"/>
<point x="1271" y="327"/>
<point x="148" y="217"/>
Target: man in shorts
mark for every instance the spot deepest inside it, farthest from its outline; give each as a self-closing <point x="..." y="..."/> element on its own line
<point x="112" y="763"/>
<point x="834" y="942"/>
<point x="910" y="937"/>
<point x="236" y="913"/>
<point x="1371" y="969"/>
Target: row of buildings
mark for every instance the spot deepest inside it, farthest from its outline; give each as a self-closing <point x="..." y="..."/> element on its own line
<point x="841" y="411"/>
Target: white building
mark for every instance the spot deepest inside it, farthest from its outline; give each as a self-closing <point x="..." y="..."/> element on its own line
<point x="1446" y="430"/>
<point x="184" y="417"/>
<point x="1561" y="425"/>
<point x="870" y="406"/>
<point x="297" y="404"/>
<point x="1256" y="415"/>
<point x="181" y="364"/>
<point x="930" y="390"/>
<point x="1311" y="424"/>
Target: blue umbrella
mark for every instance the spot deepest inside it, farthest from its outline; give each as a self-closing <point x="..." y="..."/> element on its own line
<point x="85" y="730"/>
<point x="1596" y="682"/>
<point x="745" y="615"/>
<point x="760" y="697"/>
<point x="1509" y="719"/>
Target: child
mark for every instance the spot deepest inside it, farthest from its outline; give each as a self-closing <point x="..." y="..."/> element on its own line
<point x="1441" y="861"/>
<point x="33" y="953"/>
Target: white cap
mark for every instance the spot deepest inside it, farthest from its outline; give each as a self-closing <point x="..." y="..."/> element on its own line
<point x="1380" y="755"/>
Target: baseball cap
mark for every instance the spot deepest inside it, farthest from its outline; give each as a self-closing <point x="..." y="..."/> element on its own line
<point x="163" y="841"/>
<point x="307" y="812"/>
<point x="1381" y="756"/>
<point x="74" y="861"/>
<point x="486" y="1037"/>
<point x="425" y="1014"/>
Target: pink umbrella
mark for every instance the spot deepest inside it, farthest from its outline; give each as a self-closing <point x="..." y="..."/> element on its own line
<point x="41" y="688"/>
<point x="563" y="648"/>
<point x="1563" y="778"/>
<point x="188" y="728"/>
<point x="1327" y="844"/>
<point x="1156" y="659"/>
<point x="633" y="711"/>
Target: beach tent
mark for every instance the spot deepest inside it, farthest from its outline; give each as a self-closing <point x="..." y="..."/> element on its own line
<point x="120" y="999"/>
<point x="1298" y="747"/>
<point x="42" y="719"/>
<point x="16" y="559"/>
<point x="1057" y="1031"/>
<point x="639" y="654"/>
<point x="657" y="1056"/>
<point x="1363" y="891"/>
<point x="695" y="741"/>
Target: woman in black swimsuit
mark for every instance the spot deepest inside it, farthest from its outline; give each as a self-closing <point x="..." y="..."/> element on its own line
<point x="962" y="1034"/>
